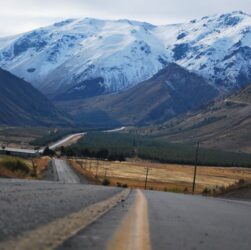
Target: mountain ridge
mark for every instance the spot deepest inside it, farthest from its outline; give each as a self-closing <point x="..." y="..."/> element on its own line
<point x="23" y="105"/>
<point x="57" y="58"/>
<point x="172" y="91"/>
<point x="224" y="123"/>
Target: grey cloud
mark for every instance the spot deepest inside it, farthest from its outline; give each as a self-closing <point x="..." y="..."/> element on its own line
<point x="29" y="14"/>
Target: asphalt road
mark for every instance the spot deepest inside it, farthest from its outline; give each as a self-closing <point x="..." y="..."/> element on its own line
<point x="193" y="222"/>
<point x="144" y="220"/>
<point x="64" y="140"/>
<point x="64" y="172"/>
<point x="27" y="205"/>
<point x="55" y="145"/>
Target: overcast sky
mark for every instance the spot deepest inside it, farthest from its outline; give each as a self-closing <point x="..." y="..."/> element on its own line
<point x="18" y="16"/>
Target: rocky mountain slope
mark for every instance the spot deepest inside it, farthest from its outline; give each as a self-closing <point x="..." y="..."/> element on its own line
<point x="100" y="56"/>
<point x="23" y="105"/>
<point x="170" y="92"/>
<point x="224" y="124"/>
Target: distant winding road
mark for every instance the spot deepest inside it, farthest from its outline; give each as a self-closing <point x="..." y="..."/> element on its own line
<point x="65" y="140"/>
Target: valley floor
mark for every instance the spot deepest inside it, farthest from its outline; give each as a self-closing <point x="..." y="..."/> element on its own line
<point x="162" y="177"/>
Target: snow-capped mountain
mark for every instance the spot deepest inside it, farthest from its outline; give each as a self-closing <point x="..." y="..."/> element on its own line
<point x="113" y="55"/>
<point x="216" y="47"/>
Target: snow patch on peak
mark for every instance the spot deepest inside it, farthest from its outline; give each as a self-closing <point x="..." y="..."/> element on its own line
<point x="125" y="52"/>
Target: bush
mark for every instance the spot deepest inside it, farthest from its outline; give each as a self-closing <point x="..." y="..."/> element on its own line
<point x="206" y="191"/>
<point x="105" y="182"/>
<point x="175" y="190"/>
<point x="102" y="154"/>
<point x="48" y="152"/>
<point x="15" y="164"/>
<point x="125" y="186"/>
<point x="222" y="189"/>
<point x="241" y="181"/>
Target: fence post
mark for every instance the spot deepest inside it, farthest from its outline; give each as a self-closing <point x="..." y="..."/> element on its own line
<point x="97" y="169"/>
<point x="147" y="170"/>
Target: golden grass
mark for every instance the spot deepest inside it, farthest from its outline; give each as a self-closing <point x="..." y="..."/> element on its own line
<point x="165" y="177"/>
<point x="41" y="164"/>
<point x="8" y="173"/>
<point x="37" y="167"/>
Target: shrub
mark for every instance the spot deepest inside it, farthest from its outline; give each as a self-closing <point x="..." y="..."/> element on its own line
<point x="105" y="182"/>
<point x="48" y="152"/>
<point x="222" y="189"/>
<point x="241" y="181"/>
<point x="206" y="191"/>
<point x="125" y="186"/>
<point x="15" y="164"/>
<point x="175" y="190"/>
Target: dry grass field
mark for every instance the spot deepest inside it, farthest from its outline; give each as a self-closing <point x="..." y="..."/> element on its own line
<point x="35" y="167"/>
<point x="41" y="165"/>
<point x="163" y="177"/>
<point x="9" y="168"/>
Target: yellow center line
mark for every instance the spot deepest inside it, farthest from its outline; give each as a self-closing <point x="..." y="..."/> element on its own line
<point x="133" y="233"/>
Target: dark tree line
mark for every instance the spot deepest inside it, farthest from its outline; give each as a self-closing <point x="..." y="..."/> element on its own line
<point x="103" y="154"/>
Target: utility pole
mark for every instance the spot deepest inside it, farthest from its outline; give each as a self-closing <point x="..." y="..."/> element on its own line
<point x="147" y="170"/>
<point x="195" y="166"/>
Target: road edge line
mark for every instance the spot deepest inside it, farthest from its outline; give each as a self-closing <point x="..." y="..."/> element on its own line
<point x="52" y="235"/>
